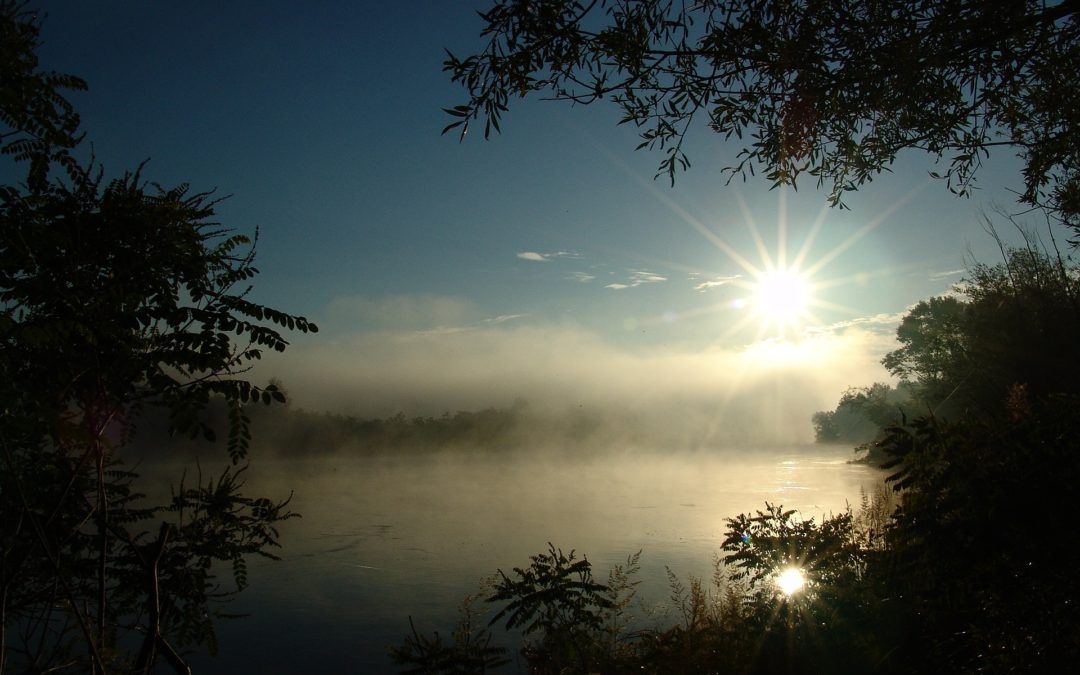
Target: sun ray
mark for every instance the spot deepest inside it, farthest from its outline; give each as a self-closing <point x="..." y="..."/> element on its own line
<point x="864" y="230"/>
<point x="791" y="317"/>
<point x="815" y="228"/>
<point x="781" y="229"/>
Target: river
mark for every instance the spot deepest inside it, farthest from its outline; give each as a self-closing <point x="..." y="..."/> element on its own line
<point x="384" y="539"/>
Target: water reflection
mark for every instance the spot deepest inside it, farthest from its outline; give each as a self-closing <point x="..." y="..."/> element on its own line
<point x="382" y="540"/>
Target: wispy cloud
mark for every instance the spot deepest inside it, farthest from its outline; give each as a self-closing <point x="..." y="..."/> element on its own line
<point x="638" y="278"/>
<point x="503" y="318"/>
<point x="713" y="283"/>
<point x="469" y="327"/>
<point x="533" y="256"/>
<point x="581" y="277"/>
<point x="938" y="276"/>
<point x="645" y="277"/>
<point x="884" y="323"/>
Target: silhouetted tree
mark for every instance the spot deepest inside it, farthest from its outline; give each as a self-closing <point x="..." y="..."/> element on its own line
<point x="37" y="124"/>
<point x="114" y="296"/>
<point x="834" y="89"/>
<point x="933" y="346"/>
<point x="1015" y="325"/>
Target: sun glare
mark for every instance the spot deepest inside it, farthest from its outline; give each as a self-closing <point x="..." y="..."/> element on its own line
<point x="781" y="286"/>
<point x="781" y="296"/>
<point x="791" y="581"/>
<point x="773" y="293"/>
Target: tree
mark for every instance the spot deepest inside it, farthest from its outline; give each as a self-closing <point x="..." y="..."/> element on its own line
<point x="863" y="413"/>
<point x="1022" y="323"/>
<point x="40" y="126"/>
<point x="115" y="296"/>
<point x="933" y="348"/>
<point x="831" y="88"/>
<point x="825" y="428"/>
<point x="1013" y="330"/>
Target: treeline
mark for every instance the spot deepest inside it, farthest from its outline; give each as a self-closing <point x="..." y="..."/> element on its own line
<point x="863" y="412"/>
<point x="287" y="431"/>
<point x="294" y="433"/>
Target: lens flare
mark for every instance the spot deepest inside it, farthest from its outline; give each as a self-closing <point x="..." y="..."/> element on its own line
<point x="791" y="581"/>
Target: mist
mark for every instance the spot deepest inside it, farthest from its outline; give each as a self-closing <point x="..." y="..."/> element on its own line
<point x="764" y="394"/>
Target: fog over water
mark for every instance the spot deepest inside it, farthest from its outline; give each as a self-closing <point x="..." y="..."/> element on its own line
<point x="566" y="438"/>
<point x="385" y="538"/>
<point x="763" y="394"/>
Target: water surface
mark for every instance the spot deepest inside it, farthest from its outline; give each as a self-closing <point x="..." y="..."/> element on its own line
<point x="384" y="539"/>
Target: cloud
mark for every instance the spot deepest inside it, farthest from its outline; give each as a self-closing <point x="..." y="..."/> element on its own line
<point x="719" y="281"/>
<point x="535" y="257"/>
<point x="503" y="318"/>
<point x="581" y="277"/>
<point x="645" y="277"/>
<point x="547" y="257"/>
<point x="884" y="324"/>
<point x="638" y="278"/>
<point x="938" y="276"/>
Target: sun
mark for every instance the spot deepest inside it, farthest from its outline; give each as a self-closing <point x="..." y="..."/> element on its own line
<point x="777" y="297"/>
<point x="791" y="581"/>
<point x="781" y="296"/>
<point x="773" y="297"/>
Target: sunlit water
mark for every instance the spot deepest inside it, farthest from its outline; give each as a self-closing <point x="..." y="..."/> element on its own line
<point x="383" y="540"/>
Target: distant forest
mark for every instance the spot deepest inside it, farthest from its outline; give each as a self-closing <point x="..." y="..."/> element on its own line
<point x="289" y="432"/>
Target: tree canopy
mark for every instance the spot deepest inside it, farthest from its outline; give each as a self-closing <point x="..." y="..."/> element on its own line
<point x="1012" y="328"/>
<point x="39" y="125"/>
<point x="830" y="88"/>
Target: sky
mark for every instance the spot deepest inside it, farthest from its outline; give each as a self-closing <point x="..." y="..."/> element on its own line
<point x="545" y="263"/>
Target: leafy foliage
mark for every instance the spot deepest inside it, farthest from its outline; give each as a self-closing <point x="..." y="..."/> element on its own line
<point x="115" y="295"/>
<point x="736" y="624"/>
<point x="39" y="125"/>
<point x="556" y="598"/>
<point x="833" y="89"/>
<point x="976" y="546"/>
<point x="1014" y="327"/>
<point x="141" y="283"/>
<point x="932" y="347"/>
<point x="775" y="539"/>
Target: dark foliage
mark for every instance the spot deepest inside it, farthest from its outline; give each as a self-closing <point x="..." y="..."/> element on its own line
<point x="1012" y="330"/>
<point x="557" y="599"/>
<point x="978" y="546"/>
<point x="834" y="89"/>
<point x="115" y="296"/>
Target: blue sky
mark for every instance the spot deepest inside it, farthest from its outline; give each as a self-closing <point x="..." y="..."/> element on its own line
<point x="322" y="119"/>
